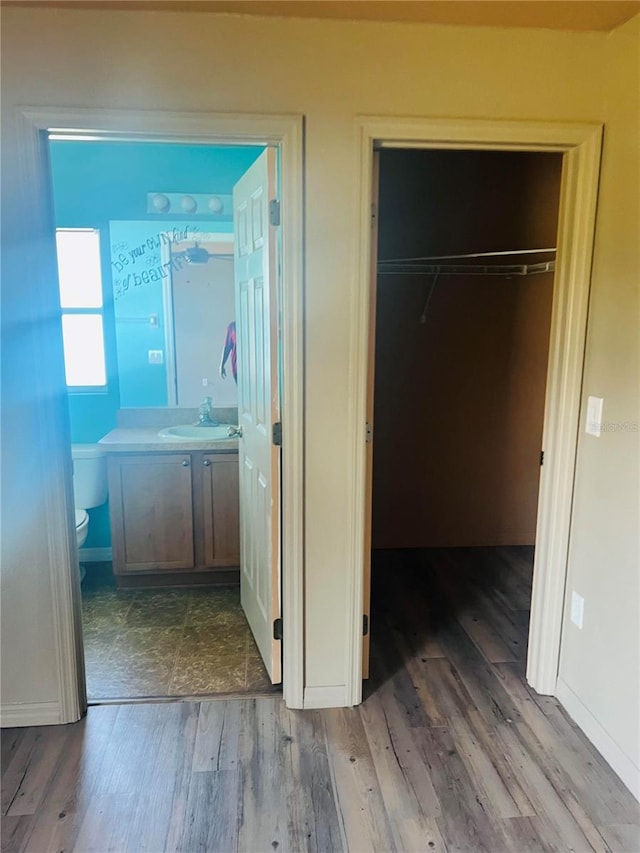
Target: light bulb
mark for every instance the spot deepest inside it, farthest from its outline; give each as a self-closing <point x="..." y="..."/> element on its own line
<point x="161" y="203"/>
<point x="188" y="204"/>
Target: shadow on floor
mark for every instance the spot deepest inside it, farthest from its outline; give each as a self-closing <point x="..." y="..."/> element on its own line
<point x="427" y="601"/>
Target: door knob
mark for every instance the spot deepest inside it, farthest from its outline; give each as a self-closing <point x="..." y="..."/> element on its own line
<point x="206" y="463"/>
<point x="185" y="463"/>
<point x="234" y="432"/>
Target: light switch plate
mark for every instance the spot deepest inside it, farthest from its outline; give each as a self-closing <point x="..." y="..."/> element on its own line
<point x="594" y="416"/>
<point x="156" y="356"/>
<point x="577" y="609"/>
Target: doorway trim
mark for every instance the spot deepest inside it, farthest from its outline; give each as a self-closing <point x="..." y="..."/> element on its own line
<point x="581" y="145"/>
<point x="283" y="131"/>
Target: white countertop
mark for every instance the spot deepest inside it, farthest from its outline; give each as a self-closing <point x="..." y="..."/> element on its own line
<point x="144" y="439"/>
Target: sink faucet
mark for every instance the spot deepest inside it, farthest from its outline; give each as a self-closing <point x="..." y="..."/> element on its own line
<point x="204" y="413"/>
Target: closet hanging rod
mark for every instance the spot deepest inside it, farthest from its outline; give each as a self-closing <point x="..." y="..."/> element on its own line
<point x="472" y="255"/>
<point x="469" y="269"/>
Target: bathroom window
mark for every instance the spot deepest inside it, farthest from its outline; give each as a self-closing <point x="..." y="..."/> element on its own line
<point x="81" y="301"/>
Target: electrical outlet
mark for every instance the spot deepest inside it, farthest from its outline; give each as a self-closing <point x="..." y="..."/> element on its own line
<point x="156" y="356"/>
<point x="205" y="382"/>
<point x="577" y="609"/>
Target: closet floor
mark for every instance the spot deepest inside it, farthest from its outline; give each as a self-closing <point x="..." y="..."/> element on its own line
<point x="164" y="643"/>
<point x="426" y="601"/>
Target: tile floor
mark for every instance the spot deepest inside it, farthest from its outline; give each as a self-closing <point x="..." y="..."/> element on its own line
<point x="173" y="642"/>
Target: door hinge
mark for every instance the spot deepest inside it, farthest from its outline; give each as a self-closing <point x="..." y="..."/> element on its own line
<point x="374" y="214"/>
<point x="368" y="433"/>
<point x="277" y="434"/>
<point x="365" y="625"/>
<point x="274" y="211"/>
<point x="277" y="628"/>
<point x="542" y="457"/>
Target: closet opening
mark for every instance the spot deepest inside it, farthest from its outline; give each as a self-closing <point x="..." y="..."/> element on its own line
<point x="463" y="259"/>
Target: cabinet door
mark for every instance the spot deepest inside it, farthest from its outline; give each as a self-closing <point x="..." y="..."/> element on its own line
<point x="151" y="512"/>
<point x="220" y="509"/>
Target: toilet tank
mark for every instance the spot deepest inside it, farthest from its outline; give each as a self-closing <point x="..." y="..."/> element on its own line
<point x="89" y="475"/>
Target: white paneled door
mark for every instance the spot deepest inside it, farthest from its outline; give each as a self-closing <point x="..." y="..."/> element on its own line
<point x="258" y="406"/>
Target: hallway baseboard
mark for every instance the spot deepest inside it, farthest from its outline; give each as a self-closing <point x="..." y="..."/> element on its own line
<point x="618" y="760"/>
<point x="29" y="714"/>
<point x="331" y="696"/>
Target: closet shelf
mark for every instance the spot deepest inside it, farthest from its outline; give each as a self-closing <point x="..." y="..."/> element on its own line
<point x="508" y="270"/>
<point x="441" y="264"/>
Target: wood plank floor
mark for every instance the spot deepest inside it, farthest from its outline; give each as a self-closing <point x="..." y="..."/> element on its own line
<point x="449" y="752"/>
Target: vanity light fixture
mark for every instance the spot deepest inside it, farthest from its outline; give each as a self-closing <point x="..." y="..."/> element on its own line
<point x="190" y="204"/>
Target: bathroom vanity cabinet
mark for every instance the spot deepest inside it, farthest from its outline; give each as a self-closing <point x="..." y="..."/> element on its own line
<point x="174" y="517"/>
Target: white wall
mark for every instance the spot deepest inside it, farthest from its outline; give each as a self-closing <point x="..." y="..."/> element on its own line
<point x="330" y="72"/>
<point x="600" y="664"/>
<point x="31" y="408"/>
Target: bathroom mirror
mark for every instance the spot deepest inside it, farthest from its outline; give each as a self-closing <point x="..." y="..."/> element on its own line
<point x="173" y="303"/>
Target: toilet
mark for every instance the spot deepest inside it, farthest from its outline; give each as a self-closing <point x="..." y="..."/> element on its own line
<point x="89" y="485"/>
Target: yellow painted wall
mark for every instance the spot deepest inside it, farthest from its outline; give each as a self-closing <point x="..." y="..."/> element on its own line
<point x="600" y="664"/>
<point x="330" y="72"/>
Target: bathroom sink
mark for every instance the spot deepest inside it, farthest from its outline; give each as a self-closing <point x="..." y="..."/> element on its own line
<point x="195" y="432"/>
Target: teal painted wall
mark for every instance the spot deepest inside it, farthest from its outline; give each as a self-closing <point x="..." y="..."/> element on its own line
<point x="96" y="184"/>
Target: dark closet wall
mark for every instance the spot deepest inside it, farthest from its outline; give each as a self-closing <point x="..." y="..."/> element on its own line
<point x="459" y="401"/>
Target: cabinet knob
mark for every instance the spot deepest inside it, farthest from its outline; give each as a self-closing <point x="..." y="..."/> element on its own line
<point x="206" y="463"/>
<point x="185" y="463"/>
